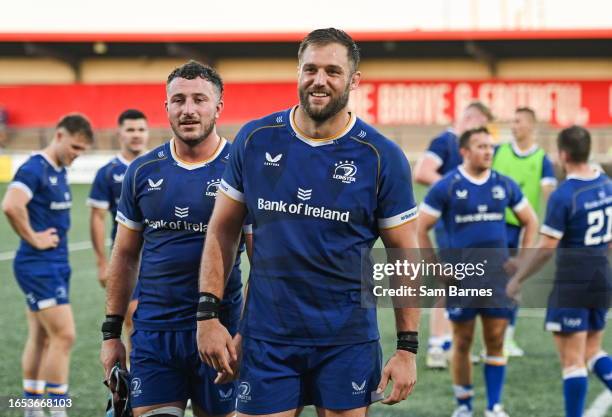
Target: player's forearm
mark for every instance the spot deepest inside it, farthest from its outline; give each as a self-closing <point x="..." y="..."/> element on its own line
<point x="20" y="221"/>
<point x="218" y="259"/>
<point x="407" y="319"/>
<point x="535" y="259"/>
<point x="97" y="232"/>
<point x="122" y="274"/>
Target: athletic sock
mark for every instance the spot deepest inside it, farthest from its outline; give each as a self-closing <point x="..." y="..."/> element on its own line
<point x="601" y="365"/>
<point x="575" y="384"/>
<point x="58" y="393"/>
<point x="464" y="395"/>
<point x="33" y="389"/>
<point x="494" y="374"/>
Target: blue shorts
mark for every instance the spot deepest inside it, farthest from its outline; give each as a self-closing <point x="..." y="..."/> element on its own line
<point x="466" y="314"/>
<point x="165" y="367"/>
<point x="570" y="320"/>
<point x="45" y="284"/>
<point x="277" y="377"/>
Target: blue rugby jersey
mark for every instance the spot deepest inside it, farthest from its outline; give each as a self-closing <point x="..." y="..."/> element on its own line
<point x="579" y="213"/>
<point x="106" y="188"/>
<point x="171" y="201"/>
<point x="314" y="206"/>
<point x="444" y="148"/>
<point x="473" y="211"/>
<point x="50" y="203"/>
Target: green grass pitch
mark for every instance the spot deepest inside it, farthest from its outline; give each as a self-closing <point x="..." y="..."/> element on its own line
<point x="533" y="383"/>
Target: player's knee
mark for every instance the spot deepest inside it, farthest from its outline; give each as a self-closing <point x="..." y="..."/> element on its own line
<point x="462" y="344"/>
<point x="64" y="338"/>
<point x="163" y="412"/>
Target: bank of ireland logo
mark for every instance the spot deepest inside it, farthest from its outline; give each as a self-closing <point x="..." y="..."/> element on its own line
<point x="181" y="212"/>
<point x="244" y="391"/>
<point x="118" y="177"/>
<point x="136" y="387"/>
<point x="155" y="185"/>
<point x="212" y="186"/>
<point x="303" y="194"/>
<point x="482" y="208"/>
<point x="273" y="161"/>
<point x="226" y="395"/>
<point x="345" y="171"/>
<point x="358" y="388"/>
<point x="498" y="192"/>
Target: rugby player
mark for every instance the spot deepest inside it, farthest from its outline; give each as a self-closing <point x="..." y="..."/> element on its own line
<point x="320" y="187"/>
<point x="37" y="204"/>
<point x="471" y="201"/>
<point x="578" y="225"/>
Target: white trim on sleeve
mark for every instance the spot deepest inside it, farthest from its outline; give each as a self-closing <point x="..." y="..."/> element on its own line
<point x="520" y="205"/>
<point x="100" y="204"/>
<point x="549" y="231"/>
<point x="434" y="156"/>
<point x="548" y="181"/>
<point x="399" y="219"/>
<point x="231" y="192"/>
<point x="130" y="224"/>
<point x="247" y="229"/>
<point x="426" y="208"/>
<point x="21" y="186"/>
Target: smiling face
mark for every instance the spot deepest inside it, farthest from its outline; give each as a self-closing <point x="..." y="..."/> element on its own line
<point x="326" y="79"/>
<point x="193" y="107"/>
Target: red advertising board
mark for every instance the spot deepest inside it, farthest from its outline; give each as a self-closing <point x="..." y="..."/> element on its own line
<point x="396" y="102"/>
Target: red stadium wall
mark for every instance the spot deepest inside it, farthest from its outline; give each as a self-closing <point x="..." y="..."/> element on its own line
<point x="401" y="102"/>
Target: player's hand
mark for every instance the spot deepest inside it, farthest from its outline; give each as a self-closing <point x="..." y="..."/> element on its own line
<point x="401" y="369"/>
<point x="47" y="239"/>
<point x="112" y="351"/>
<point x="215" y="346"/>
<point x="513" y="289"/>
<point x="223" y="377"/>
<point x="511" y="266"/>
<point x="102" y="267"/>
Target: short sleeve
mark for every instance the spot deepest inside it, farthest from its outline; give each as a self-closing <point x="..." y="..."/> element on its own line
<point x="557" y="213"/>
<point x="247" y="228"/>
<point x="436" y="199"/>
<point x="548" y="173"/>
<point x="128" y="212"/>
<point x="100" y="193"/>
<point x="438" y="150"/>
<point x="396" y="204"/>
<point x="26" y="179"/>
<point x="516" y="200"/>
<point x="232" y="181"/>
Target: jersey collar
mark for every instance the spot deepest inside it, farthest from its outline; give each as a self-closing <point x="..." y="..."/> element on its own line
<point x="195" y="165"/>
<point x="121" y="159"/>
<point x="323" y="141"/>
<point x="532" y="149"/>
<point x="592" y="177"/>
<point x="49" y="161"/>
<point x="473" y="180"/>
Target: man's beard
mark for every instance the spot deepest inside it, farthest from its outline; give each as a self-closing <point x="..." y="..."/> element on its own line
<point x="328" y="111"/>
<point x="192" y="143"/>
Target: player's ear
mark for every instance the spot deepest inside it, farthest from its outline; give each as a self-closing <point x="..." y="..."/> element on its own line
<point x="166" y="105"/>
<point x="220" y="105"/>
<point x="355" y="79"/>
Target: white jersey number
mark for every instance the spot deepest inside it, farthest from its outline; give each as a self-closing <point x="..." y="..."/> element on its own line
<point x="597" y="221"/>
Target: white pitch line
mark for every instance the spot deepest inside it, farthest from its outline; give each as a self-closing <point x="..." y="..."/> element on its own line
<point x="72" y="247"/>
<point x="600" y="406"/>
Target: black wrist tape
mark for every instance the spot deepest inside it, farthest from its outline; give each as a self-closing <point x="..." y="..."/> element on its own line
<point x="208" y="306"/>
<point x="408" y="341"/>
<point x="111" y="328"/>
